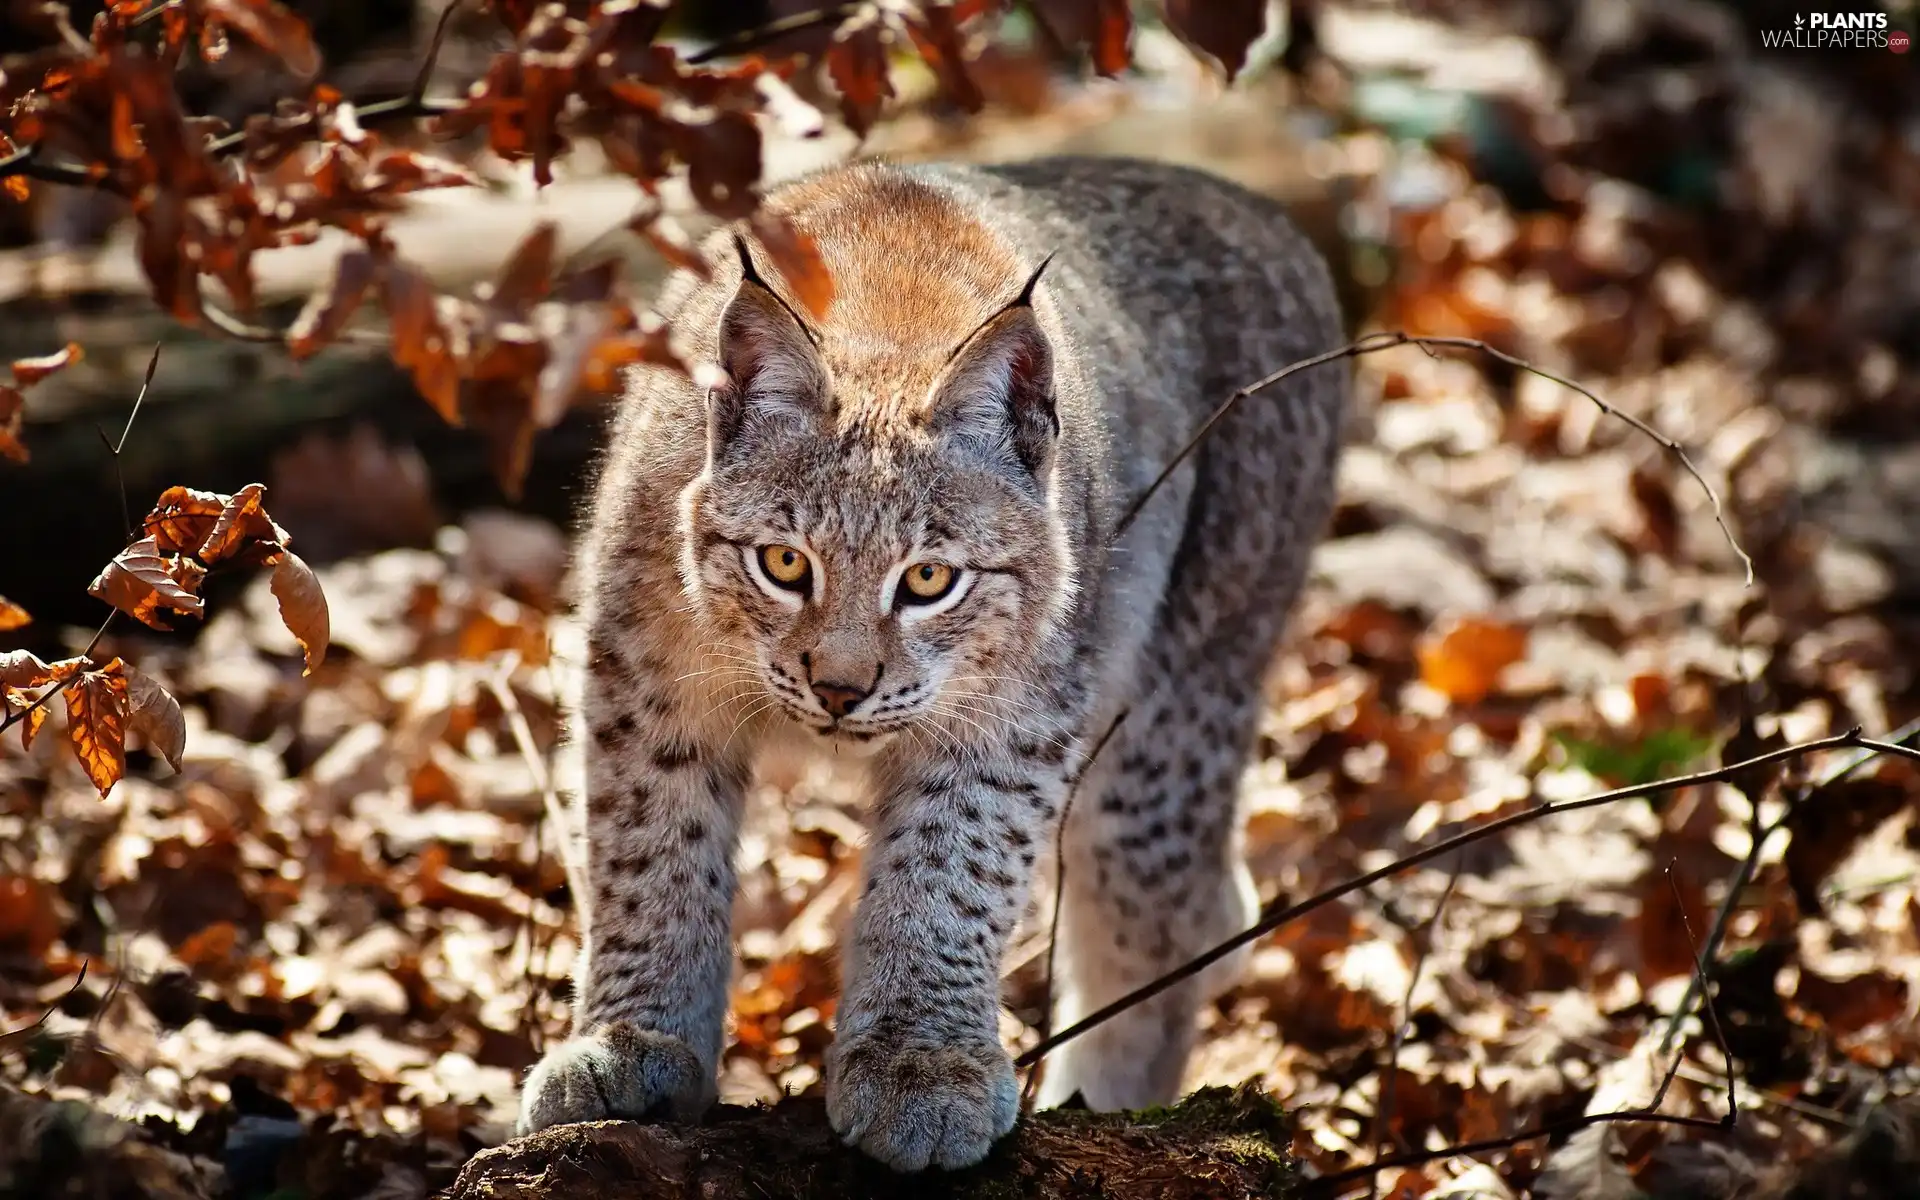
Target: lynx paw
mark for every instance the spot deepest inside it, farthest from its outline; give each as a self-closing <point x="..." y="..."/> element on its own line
<point x="616" y="1071"/>
<point x="911" y="1106"/>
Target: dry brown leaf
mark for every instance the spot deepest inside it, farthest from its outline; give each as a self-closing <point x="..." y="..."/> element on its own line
<point x="273" y="28"/>
<point x="20" y="669"/>
<point x="332" y="304"/>
<point x="29" y="915"/>
<point x="303" y="607"/>
<point x="421" y="344"/>
<point x="857" y="64"/>
<point x="155" y="715"/>
<point x="182" y="518"/>
<point x="668" y="239"/>
<point x="798" y="261"/>
<point x="139" y="583"/>
<point x="211" y="947"/>
<point x="33" y="720"/>
<point x="97" y="724"/>
<point x="1103" y="26"/>
<point x="12" y="616"/>
<point x="1222" y="28"/>
<point x="1464" y="663"/>
<point x="33" y="677"/>
<point x="528" y="271"/>
<point x="242" y="525"/>
<point x="29" y="371"/>
<point x="12" y="406"/>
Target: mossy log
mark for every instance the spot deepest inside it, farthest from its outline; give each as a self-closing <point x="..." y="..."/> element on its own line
<point x="1218" y="1143"/>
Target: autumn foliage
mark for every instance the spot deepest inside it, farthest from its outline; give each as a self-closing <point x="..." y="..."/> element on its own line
<point x="102" y="109"/>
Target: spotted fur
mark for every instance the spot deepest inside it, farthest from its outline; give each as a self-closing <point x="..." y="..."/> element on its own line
<point x="948" y="408"/>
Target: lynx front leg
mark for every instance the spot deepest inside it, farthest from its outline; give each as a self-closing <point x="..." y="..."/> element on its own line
<point x="916" y="1074"/>
<point x="663" y="810"/>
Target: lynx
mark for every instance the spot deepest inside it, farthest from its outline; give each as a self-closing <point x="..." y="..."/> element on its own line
<point x="888" y="534"/>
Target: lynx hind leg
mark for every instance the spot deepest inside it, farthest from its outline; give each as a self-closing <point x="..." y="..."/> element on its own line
<point x="1154" y="875"/>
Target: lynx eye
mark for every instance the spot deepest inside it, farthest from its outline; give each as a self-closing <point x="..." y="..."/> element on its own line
<point x="927" y="582"/>
<point x="785" y="566"/>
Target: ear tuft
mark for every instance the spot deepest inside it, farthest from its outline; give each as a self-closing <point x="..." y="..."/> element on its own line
<point x="998" y="391"/>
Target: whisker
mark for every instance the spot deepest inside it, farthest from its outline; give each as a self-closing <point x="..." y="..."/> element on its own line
<point x="1007" y="721"/>
<point x="757" y="709"/>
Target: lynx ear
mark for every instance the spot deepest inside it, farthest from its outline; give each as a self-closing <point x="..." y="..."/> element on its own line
<point x="997" y="390"/>
<point x="768" y="355"/>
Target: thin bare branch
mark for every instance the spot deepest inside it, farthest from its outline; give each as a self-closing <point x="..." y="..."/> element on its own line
<point x="1899" y="742"/>
<point x="1422" y="935"/>
<point x="15" y="1035"/>
<point x="1373" y="343"/>
<point x="752" y="39"/>
<point x="1059" y="890"/>
<point x="1705" y="988"/>
<point x="1648" y="1113"/>
<point x="1276" y="918"/>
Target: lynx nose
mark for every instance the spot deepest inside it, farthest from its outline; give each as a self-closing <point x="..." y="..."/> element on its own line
<point x="839" y="699"/>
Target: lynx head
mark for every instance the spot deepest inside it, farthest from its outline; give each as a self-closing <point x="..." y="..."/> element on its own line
<point x="873" y="536"/>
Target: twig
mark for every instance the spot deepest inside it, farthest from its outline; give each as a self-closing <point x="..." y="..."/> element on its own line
<point x="749" y="39"/>
<point x="1713" y="1015"/>
<point x="1375" y="342"/>
<point x="1759" y="835"/>
<point x="20" y="1034"/>
<point x="1648" y="1112"/>
<point x="1422" y="935"/>
<point x="126" y="516"/>
<point x="114" y="448"/>
<point x="1274" y="919"/>
<point x="233" y="327"/>
<point x="418" y="93"/>
<point x="1059" y="890"/>
<point x="500" y="684"/>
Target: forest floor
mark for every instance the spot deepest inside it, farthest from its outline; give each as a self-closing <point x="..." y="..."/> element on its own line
<point x="314" y="962"/>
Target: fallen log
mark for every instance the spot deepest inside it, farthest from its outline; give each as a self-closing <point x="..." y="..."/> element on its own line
<point x="1218" y="1144"/>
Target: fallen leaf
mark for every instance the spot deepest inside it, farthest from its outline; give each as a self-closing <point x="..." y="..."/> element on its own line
<point x="1826" y="825"/>
<point x="668" y="239"/>
<point x="12" y="616"/>
<point x="212" y="946"/>
<point x="29" y="915"/>
<point x="524" y="277"/>
<point x="1464" y="663"/>
<point x="935" y="30"/>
